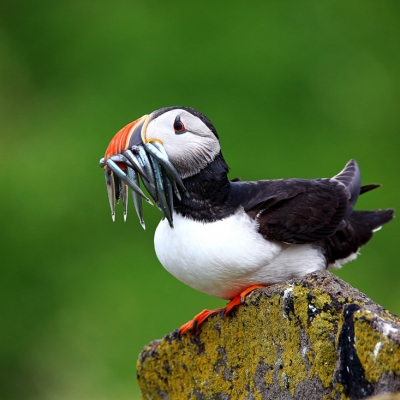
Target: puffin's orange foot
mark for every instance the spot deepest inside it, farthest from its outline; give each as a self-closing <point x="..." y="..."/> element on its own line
<point x="198" y="320"/>
<point x="239" y="299"/>
<point x="201" y="317"/>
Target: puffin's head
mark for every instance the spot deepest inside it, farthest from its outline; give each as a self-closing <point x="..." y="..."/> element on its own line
<point x="188" y="136"/>
<point x="170" y="144"/>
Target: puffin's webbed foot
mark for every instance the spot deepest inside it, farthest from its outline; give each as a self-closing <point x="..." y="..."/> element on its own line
<point x="195" y="323"/>
<point x="240" y="298"/>
<point x="198" y="320"/>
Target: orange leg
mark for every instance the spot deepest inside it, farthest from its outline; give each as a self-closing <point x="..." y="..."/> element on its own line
<point x="239" y="299"/>
<point x="200" y="318"/>
<point x="197" y="320"/>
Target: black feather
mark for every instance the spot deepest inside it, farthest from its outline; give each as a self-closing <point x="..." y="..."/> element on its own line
<point x="358" y="231"/>
<point x="209" y="194"/>
<point x="367" y="188"/>
<point x="298" y="211"/>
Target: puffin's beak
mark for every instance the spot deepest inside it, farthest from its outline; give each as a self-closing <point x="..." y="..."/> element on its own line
<point x="128" y="156"/>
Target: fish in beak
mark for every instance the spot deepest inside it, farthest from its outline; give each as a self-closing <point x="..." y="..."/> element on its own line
<point x="130" y="156"/>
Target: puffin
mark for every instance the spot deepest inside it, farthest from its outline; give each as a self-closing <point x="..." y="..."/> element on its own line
<point x="227" y="237"/>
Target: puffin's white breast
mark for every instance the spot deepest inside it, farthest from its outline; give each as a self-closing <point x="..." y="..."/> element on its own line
<point x="223" y="258"/>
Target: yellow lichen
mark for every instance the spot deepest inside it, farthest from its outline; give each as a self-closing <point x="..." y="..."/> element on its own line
<point x="323" y="357"/>
<point x="269" y="376"/>
<point x="264" y="340"/>
<point x="282" y="335"/>
<point x="321" y="299"/>
<point x="378" y="354"/>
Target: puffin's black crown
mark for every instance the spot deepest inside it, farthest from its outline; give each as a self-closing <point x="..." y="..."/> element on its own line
<point x="193" y="111"/>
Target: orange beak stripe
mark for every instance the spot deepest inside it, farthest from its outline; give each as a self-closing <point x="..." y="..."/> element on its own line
<point x="120" y="141"/>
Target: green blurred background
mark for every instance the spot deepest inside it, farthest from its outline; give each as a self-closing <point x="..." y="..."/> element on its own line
<point x="295" y="89"/>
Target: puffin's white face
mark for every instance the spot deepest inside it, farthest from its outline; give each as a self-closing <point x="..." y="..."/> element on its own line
<point x="188" y="141"/>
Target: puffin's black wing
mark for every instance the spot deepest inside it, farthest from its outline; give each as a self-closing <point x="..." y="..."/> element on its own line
<point x="299" y="210"/>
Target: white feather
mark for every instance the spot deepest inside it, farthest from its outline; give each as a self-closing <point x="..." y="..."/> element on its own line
<point x="225" y="257"/>
<point x="191" y="151"/>
<point x="340" y="262"/>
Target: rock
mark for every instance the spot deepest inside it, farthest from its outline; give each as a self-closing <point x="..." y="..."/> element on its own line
<point x="310" y="338"/>
<point x="387" y="396"/>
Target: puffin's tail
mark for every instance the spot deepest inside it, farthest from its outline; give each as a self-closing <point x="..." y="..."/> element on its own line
<point x="362" y="224"/>
<point x="359" y="225"/>
<point x="350" y="177"/>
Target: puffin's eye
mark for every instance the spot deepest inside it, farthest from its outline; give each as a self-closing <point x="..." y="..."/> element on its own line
<point x="178" y="125"/>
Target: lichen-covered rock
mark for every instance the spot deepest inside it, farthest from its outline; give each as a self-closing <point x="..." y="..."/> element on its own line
<point x="310" y="338"/>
